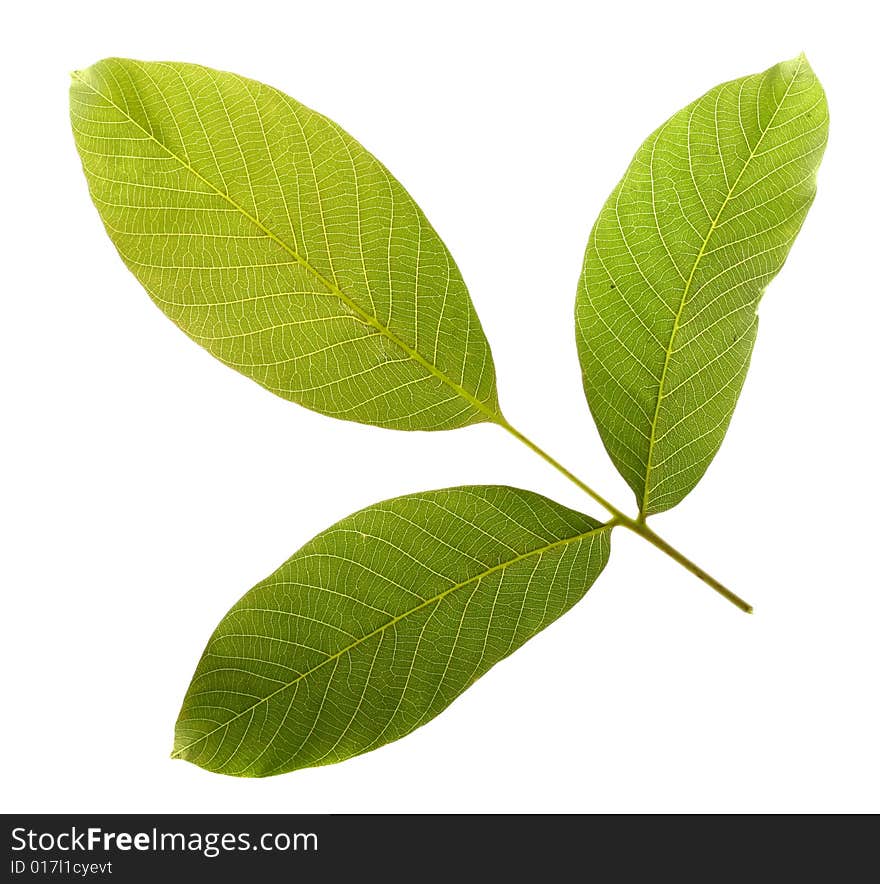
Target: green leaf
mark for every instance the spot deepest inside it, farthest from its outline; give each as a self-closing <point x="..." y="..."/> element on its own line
<point x="677" y="263"/>
<point x="274" y="240"/>
<point x="379" y="623"/>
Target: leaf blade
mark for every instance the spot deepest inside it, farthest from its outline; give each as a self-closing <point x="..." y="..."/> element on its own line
<point x="677" y="263"/>
<point x="374" y="626"/>
<point x="277" y="242"/>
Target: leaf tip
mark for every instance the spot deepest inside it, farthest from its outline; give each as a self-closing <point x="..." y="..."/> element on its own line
<point x="82" y="74"/>
<point x="804" y="62"/>
<point x="79" y="77"/>
<point x="183" y="743"/>
<point x="800" y="64"/>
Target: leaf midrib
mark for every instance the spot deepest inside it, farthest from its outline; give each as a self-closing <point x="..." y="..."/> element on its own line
<point x="392" y="622"/>
<point x="367" y="318"/>
<point x="643" y="507"/>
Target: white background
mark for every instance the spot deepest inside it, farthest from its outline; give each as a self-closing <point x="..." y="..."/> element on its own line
<point x="145" y="487"/>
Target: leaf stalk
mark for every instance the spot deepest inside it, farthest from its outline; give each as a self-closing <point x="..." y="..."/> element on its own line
<point x="655" y="539"/>
<point x="637" y="526"/>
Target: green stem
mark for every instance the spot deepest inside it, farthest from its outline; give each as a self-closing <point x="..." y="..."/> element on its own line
<point x="618" y="515"/>
<point x="637" y="526"/>
<point x="645" y="532"/>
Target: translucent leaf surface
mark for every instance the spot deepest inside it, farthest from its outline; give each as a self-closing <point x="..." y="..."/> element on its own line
<point x="274" y="240"/>
<point x="379" y="623"/>
<point x="677" y="263"/>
